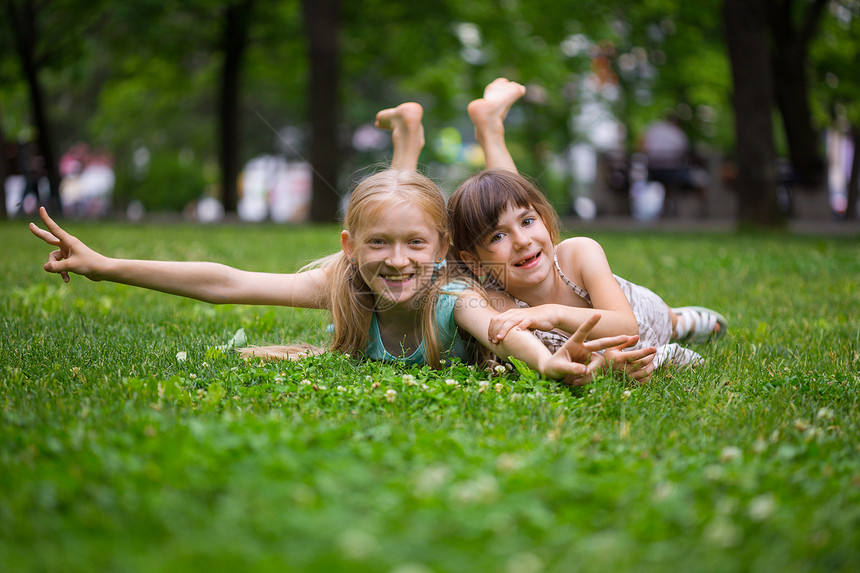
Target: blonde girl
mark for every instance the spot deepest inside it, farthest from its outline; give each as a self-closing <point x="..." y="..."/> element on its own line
<point x="507" y="231"/>
<point x="390" y="294"/>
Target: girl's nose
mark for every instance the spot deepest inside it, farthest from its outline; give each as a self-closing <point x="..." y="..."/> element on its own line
<point x="397" y="257"/>
<point x="520" y="239"/>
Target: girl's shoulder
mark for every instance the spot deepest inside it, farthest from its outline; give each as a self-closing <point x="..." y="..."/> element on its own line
<point x="575" y="252"/>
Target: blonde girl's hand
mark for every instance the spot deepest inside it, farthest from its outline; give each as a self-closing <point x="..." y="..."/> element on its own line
<point x="636" y="364"/>
<point x="542" y="317"/>
<point x="71" y="256"/>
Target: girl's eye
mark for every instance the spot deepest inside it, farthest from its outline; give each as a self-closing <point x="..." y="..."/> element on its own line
<point x="528" y="221"/>
<point x="416" y="242"/>
<point x="496" y="238"/>
<point x="375" y="242"/>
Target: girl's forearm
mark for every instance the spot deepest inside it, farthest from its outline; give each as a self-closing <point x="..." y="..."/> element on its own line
<point x="612" y="322"/>
<point x="207" y="282"/>
<point x="523" y="345"/>
<point x="217" y="283"/>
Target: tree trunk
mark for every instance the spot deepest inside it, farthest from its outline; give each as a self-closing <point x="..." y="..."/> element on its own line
<point x="790" y="48"/>
<point x="26" y="37"/>
<point x="752" y="97"/>
<point x="854" y="179"/>
<point x="322" y="21"/>
<point x="234" y="42"/>
<point x="4" y="169"/>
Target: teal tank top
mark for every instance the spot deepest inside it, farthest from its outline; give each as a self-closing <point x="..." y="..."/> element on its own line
<point x="450" y="343"/>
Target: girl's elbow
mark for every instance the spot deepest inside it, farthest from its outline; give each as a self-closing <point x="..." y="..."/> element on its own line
<point x="631" y="327"/>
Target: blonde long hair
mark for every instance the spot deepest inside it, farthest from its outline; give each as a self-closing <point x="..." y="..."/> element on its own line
<point x="350" y="299"/>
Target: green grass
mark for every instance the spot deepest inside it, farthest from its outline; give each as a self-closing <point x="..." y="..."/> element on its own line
<point x="116" y="456"/>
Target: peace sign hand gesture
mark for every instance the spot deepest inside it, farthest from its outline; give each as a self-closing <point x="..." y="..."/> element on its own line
<point x="577" y="358"/>
<point x="71" y="255"/>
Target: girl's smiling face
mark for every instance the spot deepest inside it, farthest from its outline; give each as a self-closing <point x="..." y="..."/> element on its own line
<point x="518" y="251"/>
<point x="395" y="253"/>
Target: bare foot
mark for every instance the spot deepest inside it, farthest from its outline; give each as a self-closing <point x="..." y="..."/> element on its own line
<point x="407" y="133"/>
<point x="488" y="113"/>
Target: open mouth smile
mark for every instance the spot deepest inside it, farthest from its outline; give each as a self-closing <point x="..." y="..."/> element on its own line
<point x="397" y="280"/>
<point x="529" y="261"/>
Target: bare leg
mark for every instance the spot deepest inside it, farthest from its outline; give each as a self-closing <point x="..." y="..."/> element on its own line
<point x="407" y="133"/>
<point x="488" y="115"/>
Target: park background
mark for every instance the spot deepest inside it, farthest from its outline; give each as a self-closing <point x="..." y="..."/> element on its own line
<point x="190" y="101"/>
<point x="131" y="440"/>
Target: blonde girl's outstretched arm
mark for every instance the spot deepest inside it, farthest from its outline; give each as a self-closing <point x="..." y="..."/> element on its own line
<point x="208" y="282"/>
<point x="574" y="362"/>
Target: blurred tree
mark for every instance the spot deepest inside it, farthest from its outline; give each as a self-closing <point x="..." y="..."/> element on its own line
<point x="792" y="26"/>
<point x="837" y="86"/>
<point x="4" y="167"/>
<point x="672" y="56"/>
<point x="322" y="31"/>
<point x="192" y="55"/>
<point x="236" y="18"/>
<point x="47" y="35"/>
<point x="752" y="75"/>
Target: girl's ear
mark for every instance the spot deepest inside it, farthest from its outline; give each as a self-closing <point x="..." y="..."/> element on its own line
<point x="347" y="244"/>
<point x="473" y="262"/>
<point x="444" y="247"/>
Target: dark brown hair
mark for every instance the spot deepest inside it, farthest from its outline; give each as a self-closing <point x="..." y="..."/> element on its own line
<point x="475" y="207"/>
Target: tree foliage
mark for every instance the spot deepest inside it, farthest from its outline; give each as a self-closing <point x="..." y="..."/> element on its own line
<point x="145" y="75"/>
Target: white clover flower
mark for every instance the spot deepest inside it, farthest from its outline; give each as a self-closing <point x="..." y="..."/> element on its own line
<point x="451" y="382"/>
<point x="483" y="385"/>
<point x="507" y="462"/>
<point x="193" y="376"/>
<point x="409" y="380"/>
<point x="425" y="387"/>
<point x="730" y="453"/>
<point x="499" y="369"/>
<point x="825" y="414"/>
<point x="305" y="382"/>
<point x="762" y="507"/>
<point x="525" y="563"/>
<point x="357" y="544"/>
<point x="482" y="489"/>
<point x="321" y="388"/>
<point x="205" y="365"/>
<point x="181" y="356"/>
<point x="723" y="532"/>
<point x="391" y="395"/>
<point x="499" y="386"/>
<point x="626" y="393"/>
<point x="341" y="389"/>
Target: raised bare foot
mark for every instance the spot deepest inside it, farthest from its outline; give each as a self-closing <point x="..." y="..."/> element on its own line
<point x="488" y="113"/>
<point x="407" y="133"/>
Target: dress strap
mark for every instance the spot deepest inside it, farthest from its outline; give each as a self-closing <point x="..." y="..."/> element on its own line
<point x="578" y="290"/>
